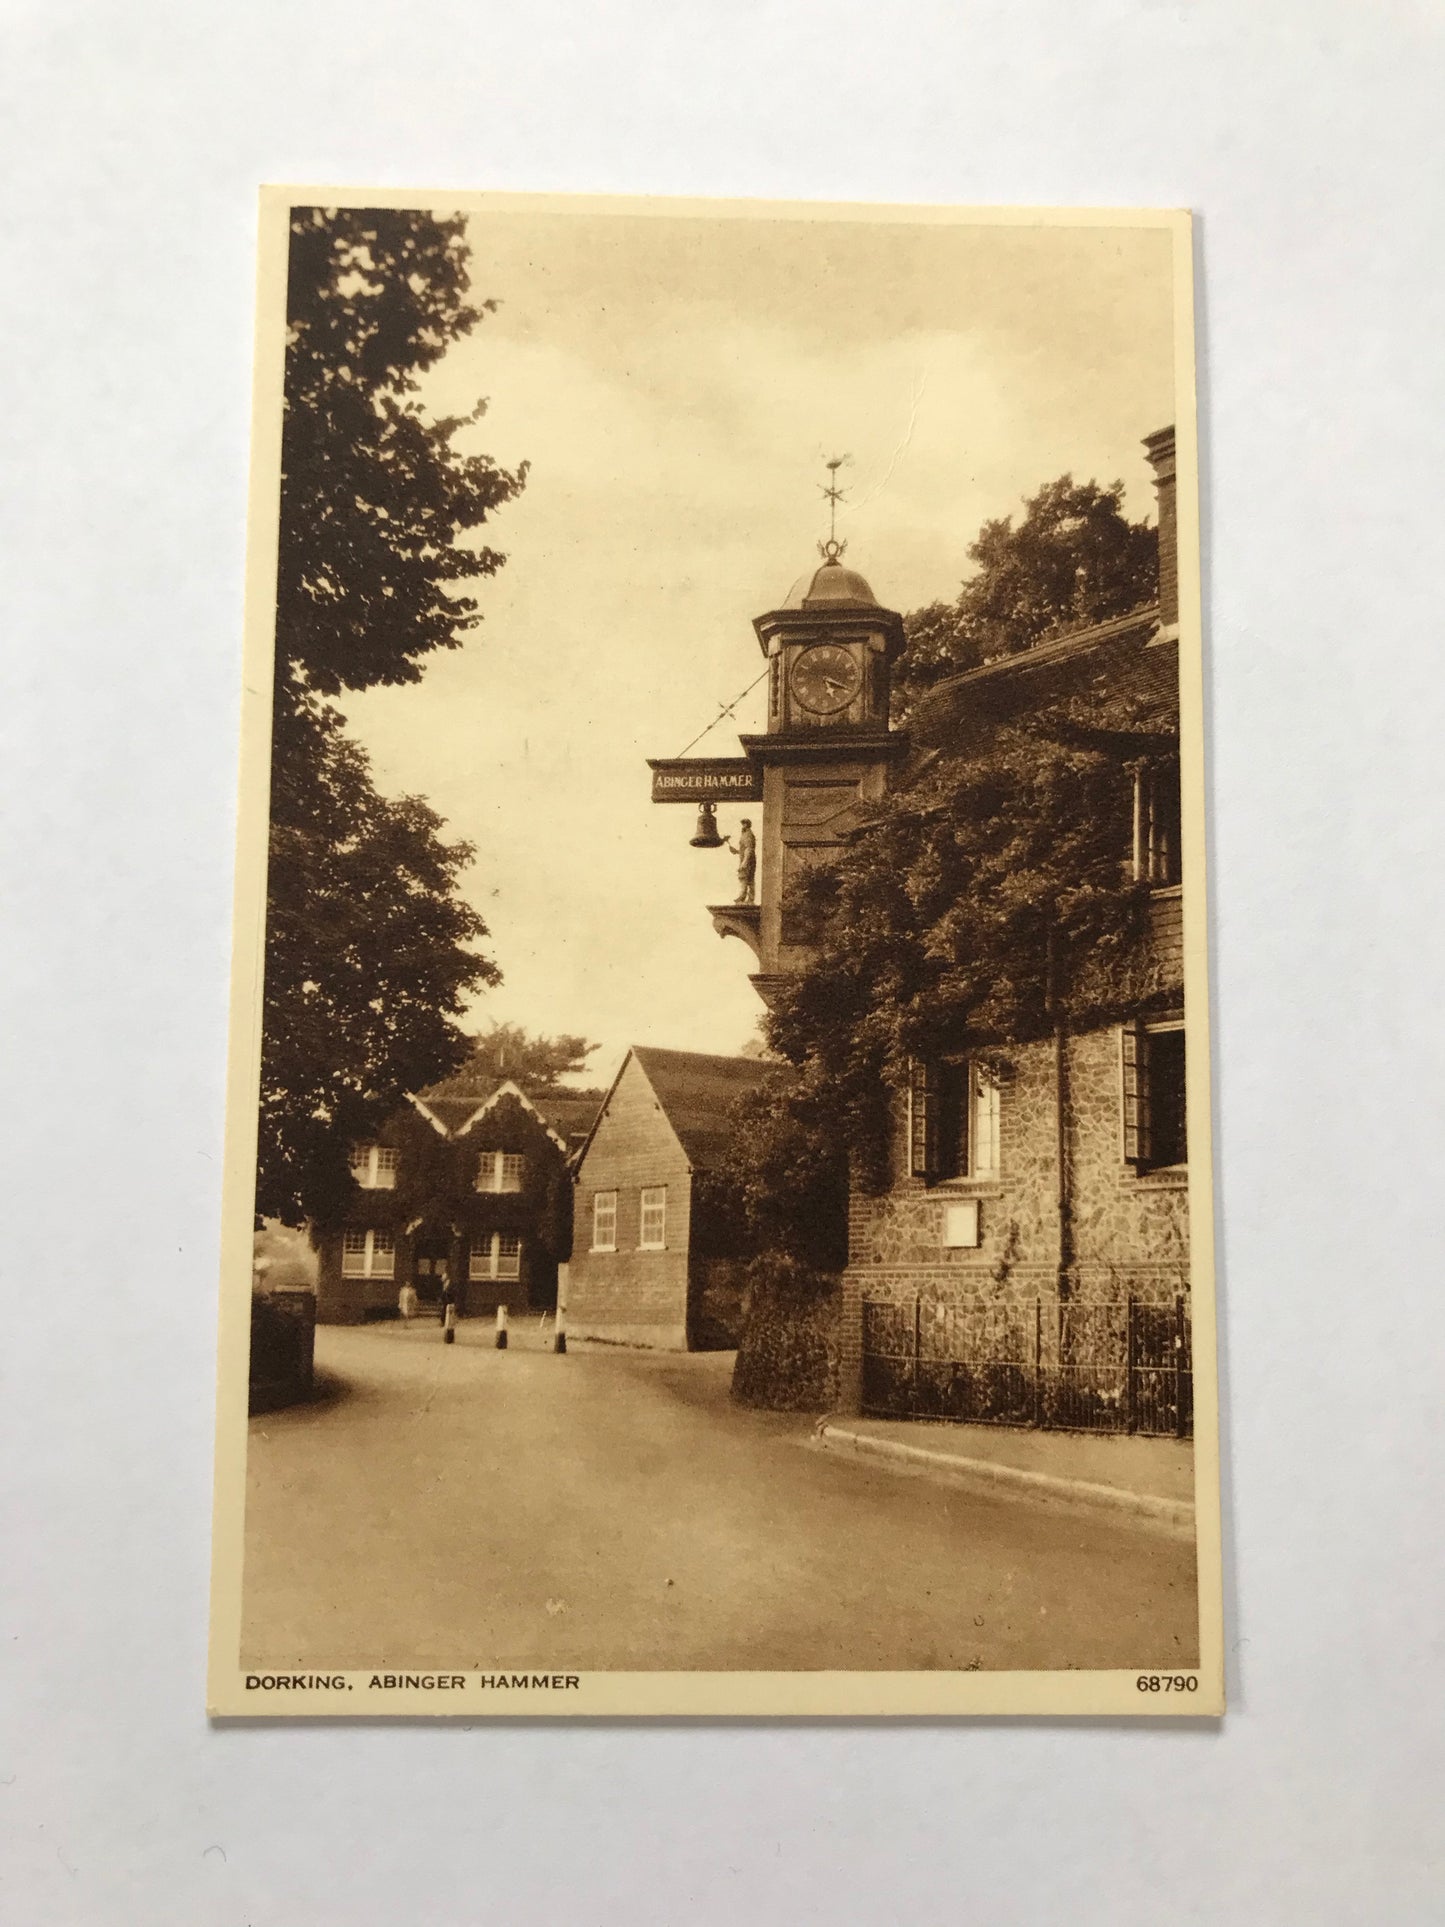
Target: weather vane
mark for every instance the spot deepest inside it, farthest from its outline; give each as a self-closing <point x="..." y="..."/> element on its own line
<point x="833" y="495"/>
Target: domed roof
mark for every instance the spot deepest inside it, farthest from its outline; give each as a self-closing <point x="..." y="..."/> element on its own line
<point x="831" y="586"/>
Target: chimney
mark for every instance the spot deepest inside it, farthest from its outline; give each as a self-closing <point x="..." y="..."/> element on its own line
<point x="1160" y="449"/>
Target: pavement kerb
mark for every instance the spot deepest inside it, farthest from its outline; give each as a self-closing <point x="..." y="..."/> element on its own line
<point x="1172" y="1515"/>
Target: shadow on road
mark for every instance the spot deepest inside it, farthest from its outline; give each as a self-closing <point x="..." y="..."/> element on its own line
<point x="328" y="1389"/>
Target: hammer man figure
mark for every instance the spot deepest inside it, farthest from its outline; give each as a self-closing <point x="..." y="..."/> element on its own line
<point x="746" y="852"/>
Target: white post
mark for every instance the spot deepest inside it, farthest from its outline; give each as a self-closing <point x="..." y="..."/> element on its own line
<point x="449" y="1332"/>
<point x="501" y="1328"/>
<point x="559" y="1341"/>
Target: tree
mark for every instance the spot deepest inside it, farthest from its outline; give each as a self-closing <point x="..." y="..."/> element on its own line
<point x="369" y="958"/>
<point x="1074" y="559"/>
<point x="536" y="1064"/>
<point x="374" y="494"/>
<point x="370" y="950"/>
<point x="784" y="1177"/>
<point x="971" y="910"/>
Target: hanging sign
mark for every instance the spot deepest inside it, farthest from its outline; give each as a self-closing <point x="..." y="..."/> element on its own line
<point x="705" y="779"/>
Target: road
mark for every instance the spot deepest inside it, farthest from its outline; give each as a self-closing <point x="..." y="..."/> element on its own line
<point x="458" y="1506"/>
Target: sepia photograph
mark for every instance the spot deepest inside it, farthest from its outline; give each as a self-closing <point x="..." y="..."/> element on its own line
<point x="718" y="1211"/>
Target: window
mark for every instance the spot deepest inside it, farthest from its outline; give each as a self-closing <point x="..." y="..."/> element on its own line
<point x="983" y="1108"/>
<point x="368" y="1254"/>
<point x="604" y="1221"/>
<point x="925" y="1118"/>
<point x="1156" y="824"/>
<point x="499" y="1256"/>
<point x="1153" y="1094"/>
<point x="500" y="1171"/>
<point x="953" y="1120"/>
<point x="374" y="1166"/>
<point x="652" y="1235"/>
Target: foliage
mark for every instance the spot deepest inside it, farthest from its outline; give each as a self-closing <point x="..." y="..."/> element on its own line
<point x="788" y="1354"/>
<point x="536" y="1063"/>
<point x="784" y="1179"/>
<point x="757" y="1046"/>
<point x="370" y="950"/>
<point x="369" y="959"/>
<point x="1073" y="560"/>
<point x="374" y="493"/>
<point x="955" y="920"/>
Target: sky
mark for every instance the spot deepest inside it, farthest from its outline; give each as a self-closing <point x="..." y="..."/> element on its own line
<point x="677" y="382"/>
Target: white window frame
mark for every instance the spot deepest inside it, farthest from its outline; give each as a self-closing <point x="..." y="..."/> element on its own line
<point x="599" y="1198"/>
<point x="491" y="1262"/>
<point x="374" y="1166"/>
<point x="652" y="1202"/>
<point x="930" y="1105"/>
<point x="982" y="1125"/>
<point x="494" y="1168"/>
<point x="377" y="1252"/>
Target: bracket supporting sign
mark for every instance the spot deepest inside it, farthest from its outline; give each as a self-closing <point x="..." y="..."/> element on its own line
<point x="705" y="779"/>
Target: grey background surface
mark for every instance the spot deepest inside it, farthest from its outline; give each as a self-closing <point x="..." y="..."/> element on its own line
<point x="1308" y="136"/>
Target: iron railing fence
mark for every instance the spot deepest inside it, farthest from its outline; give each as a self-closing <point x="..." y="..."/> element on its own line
<point x="1123" y="1366"/>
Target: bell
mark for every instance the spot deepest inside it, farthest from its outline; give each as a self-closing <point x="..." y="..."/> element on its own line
<point x="706" y="837"/>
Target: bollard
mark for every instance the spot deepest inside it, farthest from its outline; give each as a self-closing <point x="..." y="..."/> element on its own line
<point x="559" y="1341"/>
<point x="501" y="1328"/>
<point x="449" y="1334"/>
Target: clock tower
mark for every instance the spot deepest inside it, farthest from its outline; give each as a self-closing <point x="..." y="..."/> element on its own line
<point x="828" y="748"/>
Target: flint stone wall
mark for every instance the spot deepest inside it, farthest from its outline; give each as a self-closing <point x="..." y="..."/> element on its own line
<point x="1130" y="1232"/>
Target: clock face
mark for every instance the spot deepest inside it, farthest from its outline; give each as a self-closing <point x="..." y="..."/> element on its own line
<point x="826" y="678"/>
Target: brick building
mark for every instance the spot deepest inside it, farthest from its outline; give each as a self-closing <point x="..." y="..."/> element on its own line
<point x="655" y="1261"/>
<point x="467" y="1185"/>
<point x="1028" y="1257"/>
<point x="1028" y="1260"/>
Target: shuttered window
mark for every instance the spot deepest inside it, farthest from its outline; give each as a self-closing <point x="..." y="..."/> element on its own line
<point x="1157" y="827"/>
<point x="1134" y="1093"/>
<point x="923" y="1118"/>
<point x="953" y="1120"/>
<point x="1152" y="1094"/>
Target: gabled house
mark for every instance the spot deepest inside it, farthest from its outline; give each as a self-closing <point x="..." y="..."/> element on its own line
<point x="467" y="1186"/>
<point x="656" y="1259"/>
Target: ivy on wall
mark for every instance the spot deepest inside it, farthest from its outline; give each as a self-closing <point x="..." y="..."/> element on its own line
<point x="971" y="910"/>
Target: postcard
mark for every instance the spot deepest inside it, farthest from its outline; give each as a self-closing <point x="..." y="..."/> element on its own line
<point x="718" y="1180"/>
